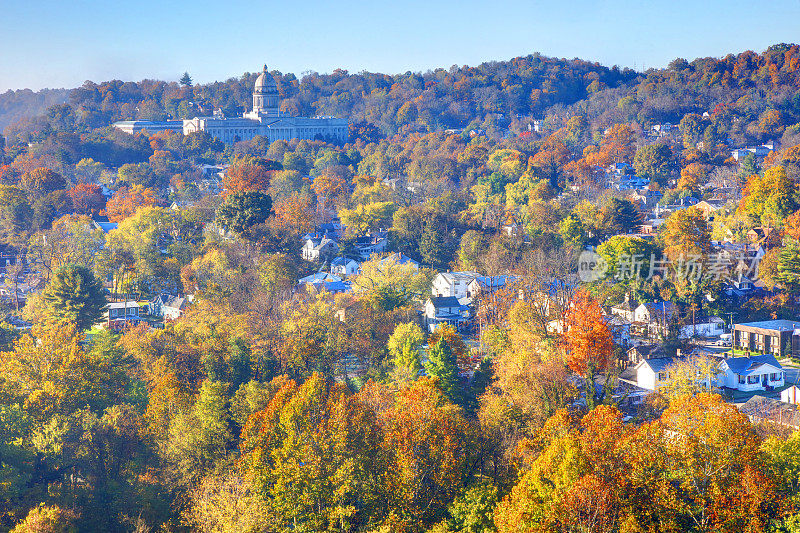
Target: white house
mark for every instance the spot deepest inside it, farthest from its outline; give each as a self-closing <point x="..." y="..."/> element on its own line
<point x="319" y="248"/>
<point x="169" y="307"/>
<point x="753" y="373"/>
<point x="713" y="327"/>
<point x="625" y="309"/>
<point x="122" y="314"/>
<point x="487" y="285"/>
<point x="791" y="395"/>
<point x="452" y="283"/>
<point x="652" y="373"/>
<point x="344" y="266"/>
<point x="444" y="309"/>
<point x="654" y="312"/>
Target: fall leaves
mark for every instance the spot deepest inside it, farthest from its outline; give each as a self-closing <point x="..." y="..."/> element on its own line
<point x="699" y="467"/>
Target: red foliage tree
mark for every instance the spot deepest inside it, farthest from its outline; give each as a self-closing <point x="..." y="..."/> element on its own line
<point x="87" y="198"/>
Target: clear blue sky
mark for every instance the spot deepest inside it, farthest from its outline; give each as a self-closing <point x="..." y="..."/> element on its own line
<point x="57" y="43"/>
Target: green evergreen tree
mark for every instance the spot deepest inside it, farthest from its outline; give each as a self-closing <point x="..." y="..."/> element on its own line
<point x="789" y="265"/>
<point x="186" y="80"/>
<point x="442" y="365"/>
<point x="432" y="247"/>
<point x="74" y="295"/>
<point x="480" y="381"/>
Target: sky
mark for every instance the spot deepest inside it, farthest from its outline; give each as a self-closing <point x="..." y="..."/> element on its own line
<point x="57" y="43"/>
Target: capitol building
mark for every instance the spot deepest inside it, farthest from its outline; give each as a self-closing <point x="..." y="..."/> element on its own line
<point x="265" y="119"/>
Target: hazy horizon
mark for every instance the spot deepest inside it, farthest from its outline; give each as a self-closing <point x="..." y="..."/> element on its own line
<point x="97" y="41"/>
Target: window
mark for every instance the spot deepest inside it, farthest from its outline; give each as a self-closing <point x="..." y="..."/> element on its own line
<point x="752" y="380"/>
<point x="663" y="376"/>
<point x="741" y="380"/>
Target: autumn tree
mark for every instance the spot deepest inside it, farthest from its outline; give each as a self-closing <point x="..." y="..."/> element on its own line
<point x="249" y="174"/>
<point x="332" y="436"/>
<point x="294" y="214"/>
<point x="404" y="347"/>
<point x="424" y="446"/>
<point x="686" y="235"/>
<point x="329" y="186"/>
<point x="87" y="198"/>
<point x="127" y="200"/>
<point x="589" y="344"/>
<point x="769" y="198"/>
<point x="693" y="176"/>
<point x="42" y="181"/>
<point x="371" y="216"/>
<point x="71" y="239"/>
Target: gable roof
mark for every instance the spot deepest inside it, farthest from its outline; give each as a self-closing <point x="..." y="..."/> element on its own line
<point x="343" y="261"/>
<point x="399" y="258"/>
<point x="658" y="309"/>
<point x="459" y="276"/>
<point x="626" y="305"/>
<point x="657" y="364"/>
<point x="494" y="281"/>
<point x="745" y="366"/>
<point x="444" y="301"/>
<point x="649" y="351"/>
<point x="319" y="277"/>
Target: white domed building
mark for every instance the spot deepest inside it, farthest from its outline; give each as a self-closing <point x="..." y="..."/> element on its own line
<point x="266" y="119"/>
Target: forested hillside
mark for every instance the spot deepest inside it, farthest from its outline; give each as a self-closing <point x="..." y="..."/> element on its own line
<point x="395" y="334"/>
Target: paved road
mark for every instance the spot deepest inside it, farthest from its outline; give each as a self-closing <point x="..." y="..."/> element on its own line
<point x="792" y="375"/>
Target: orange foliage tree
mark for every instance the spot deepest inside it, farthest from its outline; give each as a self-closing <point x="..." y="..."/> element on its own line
<point x="87" y="198"/>
<point x="249" y="174"/>
<point x="311" y="455"/>
<point x="127" y="200"/>
<point x="589" y="343"/>
<point x="42" y="181"/>
<point x="294" y="214"/>
<point x="424" y="448"/>
<point x="329" y="185"/>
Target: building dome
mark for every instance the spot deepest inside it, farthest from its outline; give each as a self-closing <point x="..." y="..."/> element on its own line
<point x="265" y="83"/>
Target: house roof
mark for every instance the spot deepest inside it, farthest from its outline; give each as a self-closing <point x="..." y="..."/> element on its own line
<point x="400" y="259"/>
<point x="444" y="301"/>
<point x="332" y="286"/>
<point x="105" y="226"/>
<point x="745" y="366"/>
<point x="319" y="277"/>
<point x="342" y="261"/>
<point x="177" y="302"/>
<point x="778" y="325"/>
<point x="626" y="305"/>
<point x="319" y="242"/>
<point x="761" y="408"/>
<point x="122" y="305"/>
<point x="658" y="364"/>
<point x="649" y="351"/>
<point x="460" y="276"/>
<point x="494" y="281"/>
<point x="659" y="308"/>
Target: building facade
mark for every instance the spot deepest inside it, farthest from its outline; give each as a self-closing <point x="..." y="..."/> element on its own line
<point x="266" y="119"/>
<point x="781" y="338"/>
